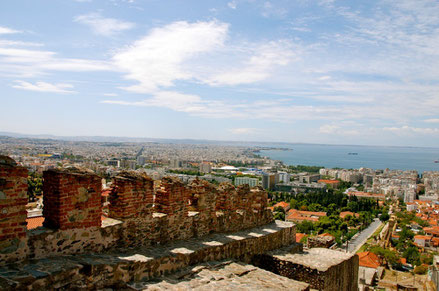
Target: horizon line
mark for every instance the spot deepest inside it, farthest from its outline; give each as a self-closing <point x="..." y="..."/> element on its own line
<point x="63" y="137"/>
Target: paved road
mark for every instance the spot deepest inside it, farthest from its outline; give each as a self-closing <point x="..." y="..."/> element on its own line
<point x="359" y="240"/>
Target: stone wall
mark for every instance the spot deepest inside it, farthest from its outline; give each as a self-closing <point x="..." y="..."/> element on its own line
<point x="321" y="241"/>
<point x="323" y="269"/>
<point x="138" y="216"/>
<point x="13" y="200"/>
<point x="116" y="269"/>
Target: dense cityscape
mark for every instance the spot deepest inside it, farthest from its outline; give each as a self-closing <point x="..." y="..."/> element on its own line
<point x="219" y="145"/>
<point x="388" y="217"/>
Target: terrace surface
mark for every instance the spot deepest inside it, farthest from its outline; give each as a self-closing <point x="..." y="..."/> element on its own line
<point x="119" y="268"/>
<point x="226" y="275"/>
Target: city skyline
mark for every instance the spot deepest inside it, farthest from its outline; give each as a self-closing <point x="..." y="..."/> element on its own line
<point x="285" y="71"/>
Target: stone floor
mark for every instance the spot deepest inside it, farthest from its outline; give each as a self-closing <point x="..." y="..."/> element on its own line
<point x="226" y="275"/>
<point x="116" y="268"/>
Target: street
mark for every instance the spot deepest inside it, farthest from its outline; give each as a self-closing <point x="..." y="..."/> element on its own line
<point x="362" y="237"/>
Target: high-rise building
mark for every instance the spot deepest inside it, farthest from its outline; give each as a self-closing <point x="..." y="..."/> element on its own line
<point x="268" y="181"/>
<point x="128" y="164"/>
<point x="174" y="163"/>
<point x="409" y="195"/>
<point x="114" y="163"/>
<point x="141" y="160"/>
<point x="252" y="182"/>
<point x="205" y="167"/>
<point x="284" y="177"/>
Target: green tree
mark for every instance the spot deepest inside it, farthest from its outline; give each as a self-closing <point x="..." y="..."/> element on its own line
<point x="420" y="270"/>
<point x="34" y="186"/>
<point x="412" y="255"/>
<point x="305" y="227"/>
<point x="384" y="217"/>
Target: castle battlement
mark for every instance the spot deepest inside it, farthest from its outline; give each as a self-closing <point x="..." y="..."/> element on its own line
<point x="159" y="236"/>
<point x="138" y="215"/>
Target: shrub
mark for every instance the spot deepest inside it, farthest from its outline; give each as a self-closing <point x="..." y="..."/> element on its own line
<point x="421" y="270"/>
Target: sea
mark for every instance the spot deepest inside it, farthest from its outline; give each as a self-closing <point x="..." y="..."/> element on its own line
<point x="354" y="157"/>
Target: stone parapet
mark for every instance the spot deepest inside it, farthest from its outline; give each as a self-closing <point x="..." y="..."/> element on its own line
<point x="323" y="269"/>
<point x="116" y="269"/>
<point x="223" y="275"/>
<point x="74" y="222"/>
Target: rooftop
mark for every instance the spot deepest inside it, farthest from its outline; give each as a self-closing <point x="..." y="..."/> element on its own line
<point x="369" y="260"/>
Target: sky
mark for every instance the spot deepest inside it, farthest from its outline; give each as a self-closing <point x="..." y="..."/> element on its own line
<point x="324" y="71"/>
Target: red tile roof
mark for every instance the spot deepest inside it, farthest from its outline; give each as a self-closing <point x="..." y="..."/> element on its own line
<point x="34" y="222"/>
<point x="298" y="215"/>
<point x="346" y="213"/>
<point x="282" y="204"/>
<point x="299" y="236"/>
<point x="369" y="260"/>
<point x="424" y="237"/>
<point x="327" y="234"/>
<point x="328" y="181"/>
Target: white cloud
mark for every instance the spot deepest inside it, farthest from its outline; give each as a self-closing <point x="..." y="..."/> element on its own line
<point x="242" y="131"/>
<point x="199" y="52"/>
<point x="409" y="130"/>
<point x="337" y="130"/>
<point x="20" y="62"/>
<point x="328" y="129"/>
<point x="44" y="87"/>
<point x="269" y="110"/>
<point x="157" y="59"/>
<point x="110" y="94"/>
<point x="432" y="120"/>
<point x="5" y="42"/>
<point x="259" y="66"/>
<point x="168" y="99"/>
<point x="103" y="26"/>
<point x="232" y="4"/>
<point x="7" y="30"/>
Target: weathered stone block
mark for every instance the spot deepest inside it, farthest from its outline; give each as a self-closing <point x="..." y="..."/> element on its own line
<point x="323" y="269"/>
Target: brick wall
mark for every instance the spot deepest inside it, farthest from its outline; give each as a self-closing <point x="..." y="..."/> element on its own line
<point x="172" y="198"/>
<point x="72" y="199"/>
<point x="227" y="199"/>
<point x="13" y="200"/>
<point x="202" y="197"/>
<point x="131" y="196"/>
<point x="72" y="211"/>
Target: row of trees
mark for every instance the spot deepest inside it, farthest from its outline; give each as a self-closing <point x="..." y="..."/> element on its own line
<point x="303" y="168"/>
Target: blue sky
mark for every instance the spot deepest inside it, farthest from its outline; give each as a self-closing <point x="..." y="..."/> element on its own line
<point x="341" y="72"/>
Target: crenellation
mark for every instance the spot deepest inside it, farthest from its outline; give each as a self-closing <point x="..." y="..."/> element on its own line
<point x="171" y="198"/>
<point x="131" y="196"/>
<point x="202" y="199"/>
<point x="148" y="233"/>
<point x="72" y="199"/>
<point x="74" y="221"/>
<point x="13" y="200"/>
<point x="227" y="198"/>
